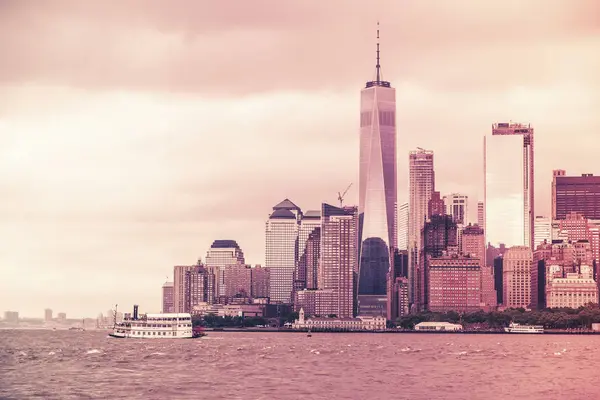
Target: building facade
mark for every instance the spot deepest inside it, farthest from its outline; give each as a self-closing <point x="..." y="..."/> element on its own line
<point x="542" y="231"/>
<point x="516" y="269"/>
<point x="580" y="194"/>
<point x="457" y="205"/>
<point x="168" y="297"/>
<point x="454" y="284"/>
<point x="281" y="234"/>
<point x="403" y="226"/>
<point x="221" y="254"/>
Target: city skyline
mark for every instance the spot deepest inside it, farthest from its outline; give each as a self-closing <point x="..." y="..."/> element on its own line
<point x="113" y="172"/>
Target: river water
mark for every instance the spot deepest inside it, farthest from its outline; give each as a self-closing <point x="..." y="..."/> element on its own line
<point x="89" y="365"/>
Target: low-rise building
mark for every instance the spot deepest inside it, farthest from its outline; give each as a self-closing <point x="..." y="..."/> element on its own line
<point x="361" y="323"/>
<point x="574" y="291"/>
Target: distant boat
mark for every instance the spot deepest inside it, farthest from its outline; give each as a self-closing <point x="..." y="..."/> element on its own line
<point x="518" y="328"/>
<point x="80" y="328"/>
<point x="309" y="334"/>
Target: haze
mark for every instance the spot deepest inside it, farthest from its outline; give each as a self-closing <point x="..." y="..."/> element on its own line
<point x="133" y="134"/>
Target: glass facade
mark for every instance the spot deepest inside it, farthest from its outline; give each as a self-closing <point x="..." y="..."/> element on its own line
<point x="377" y="193"/>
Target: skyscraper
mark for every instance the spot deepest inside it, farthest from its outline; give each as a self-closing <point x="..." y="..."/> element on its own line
<point x="580" y="194"/>
<point x="542" y="231"/>
<point x="403" y="226"/>
<point x="421" y="188"/>
<point x="168" y="292"/>
<point x="308" y="250"/>
<point x="339" y="242"/>
<point x="377" y="190"/>
<point x="281" y="234"/>
<point x="221" y="254"/>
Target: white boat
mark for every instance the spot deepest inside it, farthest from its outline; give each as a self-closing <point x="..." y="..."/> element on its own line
<point x="518" y="328"/>
<point x="155" y="326"/>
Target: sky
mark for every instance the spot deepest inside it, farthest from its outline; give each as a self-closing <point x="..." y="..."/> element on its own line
<point x="133" y="134"/>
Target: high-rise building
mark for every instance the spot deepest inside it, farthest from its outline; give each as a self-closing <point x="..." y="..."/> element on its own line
<point x="481" y="214"/>
<point x="436" y="205"/>
<point x="473" y="243"/>
<point x="403" y="226"/>
<point x="580" y="194"/>
<point x="192" y="285"/>
<point x="517" y="267"/>
<point x="309" y="237"/>
<point x="339" y="254"/>
<point x="282" y="229"/>
<point x="180" y="287"/>
<point x="221" y="254"/>
<point x="260" y="282"/>
<point x="377" y="188"/>
<point x="421" y="188"/>
<point x="454" y="284"/>
<point x="238" y="280"/>
<point x="47" y="315"/>
<point x="525" y="130"/>
<point x="457" y="205"/>
<point x="168" y="297"/>
<point x="542" y="231"/>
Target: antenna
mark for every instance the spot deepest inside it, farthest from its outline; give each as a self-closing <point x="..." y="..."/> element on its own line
<point x="378" y="67"/>
<point x="341" y="195"/>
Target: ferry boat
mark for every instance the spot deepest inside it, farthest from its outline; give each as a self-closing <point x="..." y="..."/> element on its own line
<point x="518" y="328"/>
<point x="156" y="326"/>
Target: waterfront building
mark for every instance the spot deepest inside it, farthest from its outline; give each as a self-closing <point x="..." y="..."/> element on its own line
<point x="517" y="262"/>
<point x="168" y="298"/>
<point x="377" y="191"/>
<point x="489" y="296"/>
<point x="574" y="290"/>
<point x="11" y="316"/>
<point x="580" y="194"/>
<point x="337" y="265"/>
<point x="282" y="229"/>
<point x="421" y="188"/>
<point x="457" y="207"/>
<point x="360" y="323"/>
<point x="221" y="254"/>
<point x="454" y="284"/>
<point x="47" y="315"/>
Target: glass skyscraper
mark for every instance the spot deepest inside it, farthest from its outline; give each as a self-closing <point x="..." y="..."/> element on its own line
<point x="377" y="192"/>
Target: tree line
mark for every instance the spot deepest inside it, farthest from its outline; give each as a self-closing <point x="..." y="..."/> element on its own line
<point x="550" y="318"/>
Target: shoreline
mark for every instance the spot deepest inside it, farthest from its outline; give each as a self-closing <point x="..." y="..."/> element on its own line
<point x="467" y="332"/>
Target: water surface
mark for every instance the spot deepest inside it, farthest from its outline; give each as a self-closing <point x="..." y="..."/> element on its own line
<point x="89" y="365"/>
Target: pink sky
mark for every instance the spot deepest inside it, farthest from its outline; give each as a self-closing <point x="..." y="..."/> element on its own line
<point x="133" y="134"/>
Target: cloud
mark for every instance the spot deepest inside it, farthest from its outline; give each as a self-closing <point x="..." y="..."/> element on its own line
<point x="134" y="134"/>
<point x="202" y="47"/>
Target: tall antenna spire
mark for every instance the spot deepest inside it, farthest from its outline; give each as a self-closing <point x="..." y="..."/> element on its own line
<point x="378" y="66"/>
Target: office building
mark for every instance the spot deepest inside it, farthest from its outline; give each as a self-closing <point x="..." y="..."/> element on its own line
<point x="421" y="188"/>
<point x="47" y="315"/>
<point x="454" y="284"/>
<point x="457" y="207"/>
<point x="542" y="231"/>
<point x="403" y="226"/>
<point x="377" y="190"/>
<point x="580" y="194"/>
<point x="221" y="254"/>
<point x="168" y="297"/>
<point x="517" y="263"/>
<point x="281" y="234"/>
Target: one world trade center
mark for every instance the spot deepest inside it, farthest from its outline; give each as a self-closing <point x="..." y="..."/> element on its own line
<point x="377" y="191"/>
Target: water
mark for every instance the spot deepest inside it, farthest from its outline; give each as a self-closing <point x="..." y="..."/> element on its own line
<point x="89" y="365"/>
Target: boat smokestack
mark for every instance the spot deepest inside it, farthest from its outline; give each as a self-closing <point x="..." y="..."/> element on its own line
<point x="135" y="312"/>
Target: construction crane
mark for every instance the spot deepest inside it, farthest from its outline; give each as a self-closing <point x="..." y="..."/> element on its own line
<point x="341" y="195"/>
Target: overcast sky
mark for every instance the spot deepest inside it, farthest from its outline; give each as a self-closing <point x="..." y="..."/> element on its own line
<point x="134" y="133"/>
